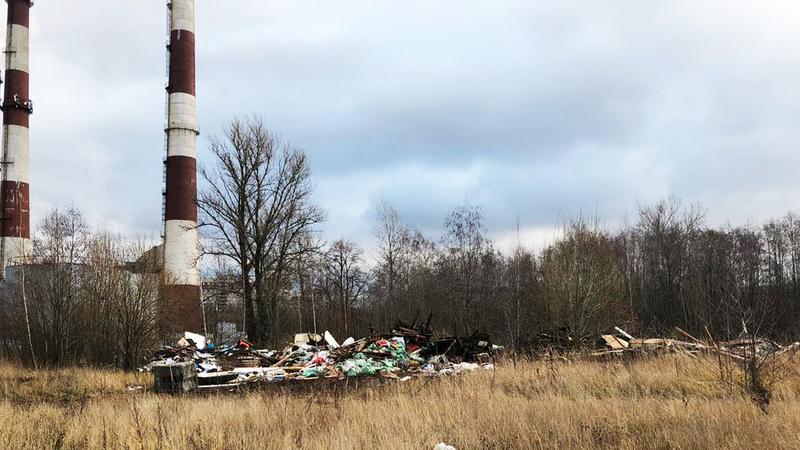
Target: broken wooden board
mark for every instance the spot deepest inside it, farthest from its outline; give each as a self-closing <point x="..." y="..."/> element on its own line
<point x="614" y="342"/>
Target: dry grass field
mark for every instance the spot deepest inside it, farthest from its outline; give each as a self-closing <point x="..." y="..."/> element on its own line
<point x="669" y="402"/>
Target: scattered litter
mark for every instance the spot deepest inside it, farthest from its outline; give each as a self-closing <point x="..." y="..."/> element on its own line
<point x="443" y="446"/>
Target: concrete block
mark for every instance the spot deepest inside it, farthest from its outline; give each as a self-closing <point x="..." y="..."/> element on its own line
<point x="175" y="378"/>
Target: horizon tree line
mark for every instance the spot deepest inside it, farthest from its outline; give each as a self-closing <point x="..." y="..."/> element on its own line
<point x="82" y="303"/>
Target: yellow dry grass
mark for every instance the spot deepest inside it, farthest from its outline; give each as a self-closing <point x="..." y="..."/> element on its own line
<point x="670" y="402"/>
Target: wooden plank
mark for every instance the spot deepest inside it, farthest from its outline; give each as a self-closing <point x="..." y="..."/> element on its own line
<point x="614" y="342"/>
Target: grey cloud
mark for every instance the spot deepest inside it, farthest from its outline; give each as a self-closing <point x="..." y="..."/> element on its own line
<point x="540" y="109"/>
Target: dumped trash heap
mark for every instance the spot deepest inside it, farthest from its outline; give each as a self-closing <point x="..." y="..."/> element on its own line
<point x="562" y="345"/>
<point x="622" y="343"/>
<point x="404" y="353"/>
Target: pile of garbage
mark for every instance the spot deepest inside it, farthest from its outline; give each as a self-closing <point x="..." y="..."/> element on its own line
<point x="560" y="343"/>
<point x="406" y="352"/>
<point x="621" y="343"/>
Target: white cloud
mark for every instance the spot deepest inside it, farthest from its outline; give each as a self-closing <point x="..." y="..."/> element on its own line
<point x="534" y="239"/>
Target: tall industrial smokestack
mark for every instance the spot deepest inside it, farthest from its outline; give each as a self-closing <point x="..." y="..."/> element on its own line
<point x="181" y="243"/>
<point x="15" y="230"/>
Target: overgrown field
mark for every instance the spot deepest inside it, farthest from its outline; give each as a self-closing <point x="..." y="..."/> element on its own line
<point x="669" y="402"/>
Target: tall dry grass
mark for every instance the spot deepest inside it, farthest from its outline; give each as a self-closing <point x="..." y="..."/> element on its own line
<point x="670" y="402"/>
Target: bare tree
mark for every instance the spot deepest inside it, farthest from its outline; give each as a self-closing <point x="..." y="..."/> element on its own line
<point x="519" y="288"/>
<point x="343" y="280"/>
<point x="120" y="306"/>
<point x="581" y="282"/>
<point x="392" y="262"/>
<point x="464" y="247"/>
<point x="87" y="303"/>
<point x="665" y="231"/>
<point x="257" y="206"/>
<point x="304" y="274"/>
<point x="58" y="251"/>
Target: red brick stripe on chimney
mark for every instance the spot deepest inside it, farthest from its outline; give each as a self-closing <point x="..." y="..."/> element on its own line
<point x="16" y="210"/>
<point x="181" y="203"/>
<point x="19" y="12"/>
<point x="17" y="84"/>
<point x="182" y="62"/>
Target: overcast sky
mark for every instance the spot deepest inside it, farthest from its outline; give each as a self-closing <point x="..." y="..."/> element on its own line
<point x="532" y="109"/>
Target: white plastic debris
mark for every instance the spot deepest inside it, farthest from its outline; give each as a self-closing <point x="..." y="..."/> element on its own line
<point x="208" y="366"/>
<point x="443" y="446"/>
<point x="463" y="367"/>
<point x="198" y="339"/>
<point x="267" y="373"/>
<point x="348" y="365"/>
<point x="348" y="341"/>
<point x="330" y="340"/>
<point x="256" y="370"/>
<point x="301" y="339"/>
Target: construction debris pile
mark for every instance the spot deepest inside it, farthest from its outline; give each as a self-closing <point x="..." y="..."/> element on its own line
<point x="404" y="353"/>
<point x="561" y="344"/>
<point x="622" y="343"/>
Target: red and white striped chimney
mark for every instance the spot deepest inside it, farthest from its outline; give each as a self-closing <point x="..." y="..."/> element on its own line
<point x="15" y="230"/>
<point x="181" y="242"/>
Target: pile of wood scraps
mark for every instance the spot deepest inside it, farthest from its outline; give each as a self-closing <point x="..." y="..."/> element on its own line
<point x="621" y="343"/>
